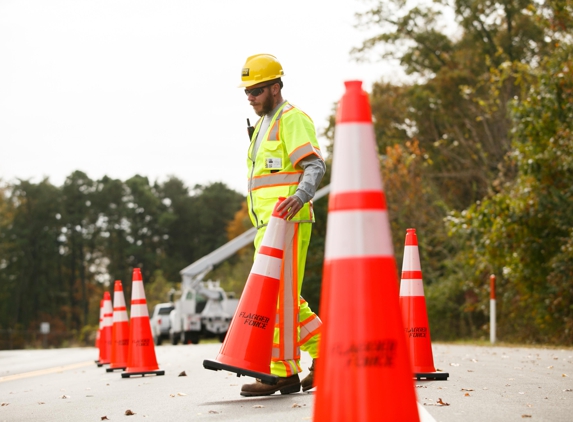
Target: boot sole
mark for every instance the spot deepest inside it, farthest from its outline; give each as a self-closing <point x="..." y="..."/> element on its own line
<point x="289" y="389"/>
<point x="307" y="388"/>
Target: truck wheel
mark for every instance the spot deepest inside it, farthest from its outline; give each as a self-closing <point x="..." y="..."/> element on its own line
<point x="194" y="337"/>
<point x="174" y="338"/>
<point x="157" y="340"/>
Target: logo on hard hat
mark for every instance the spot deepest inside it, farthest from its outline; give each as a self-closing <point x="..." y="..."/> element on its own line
<point x="245" y="71"/>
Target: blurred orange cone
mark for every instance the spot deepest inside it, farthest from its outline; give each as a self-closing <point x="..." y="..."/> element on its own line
<point x="105" y="335"/>
<point x="247" y="349"/>
<point x="98" y="334"/>
<point x="414" y="313"/>
<point x="141" y="358"/>
<point x="120" y="330"/>
<point x="364" y="371"/>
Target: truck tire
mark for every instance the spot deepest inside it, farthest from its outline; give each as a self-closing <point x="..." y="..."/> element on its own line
<point x="157" y="340"/>
<point x="194" y="337"/>
<point x="174" y="338"/>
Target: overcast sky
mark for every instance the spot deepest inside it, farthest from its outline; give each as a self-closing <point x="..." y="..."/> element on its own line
<point x="118" y="88"/>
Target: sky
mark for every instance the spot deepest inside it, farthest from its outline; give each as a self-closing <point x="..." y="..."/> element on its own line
<point x="126" y="87"/>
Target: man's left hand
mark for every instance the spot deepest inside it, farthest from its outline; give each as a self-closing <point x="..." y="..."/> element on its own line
<point x="289" y="207"/>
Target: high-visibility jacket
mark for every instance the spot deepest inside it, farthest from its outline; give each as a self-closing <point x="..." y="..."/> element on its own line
<point x="273" y="173"/>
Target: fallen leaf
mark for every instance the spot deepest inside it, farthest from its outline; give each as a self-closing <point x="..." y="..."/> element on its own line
<point x="104" y="418"/>
<point x="440" y="402"/>
<point x="474" y="360"/>
<point x="213" y="411"/>
<point x="550" y="367"/>
<point x="258" y="406"/>
<point x="525" y="416"/>
<point x="41" y="402"/>
<point x="467" y="395"/>
<point x="181" y="394"/>
<point x="171" y="395"/>
<point x="296" y="405"/>
<point x="564" y="375"/>
<point x="129" y="412"/>
<point x="65" y="397"/>
<point x="568" y="389"/>
<point x="467" y="389"/>
<point x="182" y="374"/>
<point x="4" y="404"/>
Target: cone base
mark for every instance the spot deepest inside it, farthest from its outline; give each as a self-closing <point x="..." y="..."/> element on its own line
<point x="438" y="376"/>
<point x="111" y="369"/>
<point x="217" y="366"/>
<point x="143" y="373"/>
<point x="100" y="363"/>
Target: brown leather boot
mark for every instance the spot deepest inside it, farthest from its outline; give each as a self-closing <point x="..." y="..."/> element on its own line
<point x="286" y="385"/>
<point x="308" y="382"/>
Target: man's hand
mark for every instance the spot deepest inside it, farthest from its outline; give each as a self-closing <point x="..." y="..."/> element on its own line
<point x="289" y="207"/>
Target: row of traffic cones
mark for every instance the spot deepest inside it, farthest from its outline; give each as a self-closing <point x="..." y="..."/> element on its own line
<point x="367" y="364"/>
<point x="125" y="346"/>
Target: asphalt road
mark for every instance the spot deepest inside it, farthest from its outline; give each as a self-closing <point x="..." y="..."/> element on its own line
<point x="485" y="384"/>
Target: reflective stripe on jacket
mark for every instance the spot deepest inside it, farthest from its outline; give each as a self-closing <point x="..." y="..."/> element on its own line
<point x="274" y="172"/>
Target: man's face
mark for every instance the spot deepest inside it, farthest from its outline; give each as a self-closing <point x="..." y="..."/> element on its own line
<point x="263" y="103"/>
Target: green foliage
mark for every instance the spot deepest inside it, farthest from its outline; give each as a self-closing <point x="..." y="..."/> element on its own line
<point x="62" y="247"/>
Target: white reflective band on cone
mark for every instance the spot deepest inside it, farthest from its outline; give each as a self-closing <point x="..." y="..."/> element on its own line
<point x="411" y="287"/>
<point x="139" y="311"/>
<point x="358" y="234"/>
<point x="276" y="238"/>
<point x="137" y="290"/>
<point x="411" y="259"/>
<point x="120" y="316"/>
<point x="350" y="140"/>
<point x="267" y="266"/>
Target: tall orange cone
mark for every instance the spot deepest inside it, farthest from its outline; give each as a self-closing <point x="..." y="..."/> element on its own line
<point x="105" y="334"/>
<point x="141" y="358"/>
<point x="120" y="330"/>
<point x="414" y="313"/>
<point x="247" y="349"/>
<point x="364" y="372"/>
<point x="98" y="334"/>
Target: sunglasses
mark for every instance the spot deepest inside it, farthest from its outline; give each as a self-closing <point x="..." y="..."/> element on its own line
<point x="255" y="92"/>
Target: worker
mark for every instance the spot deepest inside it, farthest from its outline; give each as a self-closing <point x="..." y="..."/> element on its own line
<point x="284" y="160"/>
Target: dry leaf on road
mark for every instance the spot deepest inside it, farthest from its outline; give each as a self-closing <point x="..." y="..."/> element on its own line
<point x="129" y="412"/>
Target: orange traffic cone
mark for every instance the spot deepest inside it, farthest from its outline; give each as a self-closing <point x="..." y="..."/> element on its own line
<point x="364" y="371"/>
<point x="141" y="358"/>
<point x="247" y="349"/>
<point x="120" y="330"/>
<point x="105" y="335"/>
<point x="414" y="313"/>
<point x="98" y="334"/>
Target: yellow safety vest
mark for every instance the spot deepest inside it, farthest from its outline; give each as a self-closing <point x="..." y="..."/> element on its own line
<point x="274" y="173"/>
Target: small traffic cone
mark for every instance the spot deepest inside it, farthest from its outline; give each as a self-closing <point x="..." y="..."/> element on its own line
<point x="105" y="335"/>
<point x="247" y="349"/>
<point x="141" y="358"/>
<point x="364" y="371"/>
<point x="98" y="334"/>
<point x="120" y="330"/>
<point x="414" y="313"/>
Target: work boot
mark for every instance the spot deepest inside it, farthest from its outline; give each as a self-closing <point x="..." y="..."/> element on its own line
<point x="308" y="382"/>
<point x="286" y="385"/>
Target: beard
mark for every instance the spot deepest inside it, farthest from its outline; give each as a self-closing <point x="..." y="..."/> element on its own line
<point x="266" y="106"/>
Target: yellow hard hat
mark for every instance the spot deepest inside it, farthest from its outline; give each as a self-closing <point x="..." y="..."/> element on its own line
<point x="260" y="68"/>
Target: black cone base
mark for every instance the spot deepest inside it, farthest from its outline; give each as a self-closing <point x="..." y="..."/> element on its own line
<point x="217" y="366"/>
<point x="113" y="369"/>
<point x="438" y="376"/>
<point x="127" y="375"/>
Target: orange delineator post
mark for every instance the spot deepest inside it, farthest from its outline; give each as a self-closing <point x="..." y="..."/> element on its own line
<point x="364" y="371"/>
<point x="120" y="330"/>
<point x="247" y="349"/>
<point x="414" y="312"/>
<point x="141" y="358"/>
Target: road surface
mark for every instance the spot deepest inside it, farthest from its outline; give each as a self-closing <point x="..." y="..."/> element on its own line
<point x="485" y="384"/>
